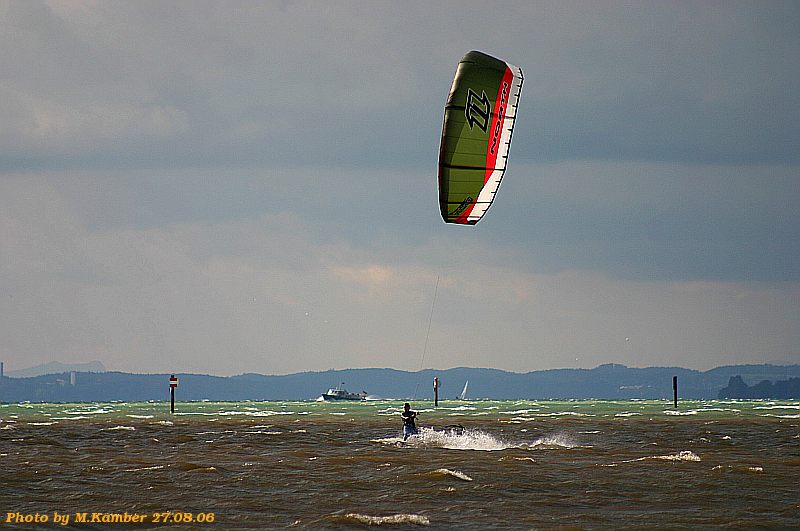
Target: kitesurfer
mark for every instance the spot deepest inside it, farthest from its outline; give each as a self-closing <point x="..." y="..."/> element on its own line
<point x="409" y="426"/>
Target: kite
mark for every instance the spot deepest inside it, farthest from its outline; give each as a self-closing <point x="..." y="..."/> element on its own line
<point x="476" y="136"/>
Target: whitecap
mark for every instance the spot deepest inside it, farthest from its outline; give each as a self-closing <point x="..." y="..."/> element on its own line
<point x="565" y="414"/>
<point x="454" y="473"/>
<point x="96" y="411"/>
<point x="258" y="413"/>
<point x="120" y="428"/>
<point x="140" y="416"/>
<point x="389" y="440"/>
<point x="395" y="519"/>
<point x="740" y="468"/>
<point x="683" y="455"/>
<point x="559" y="440"/>
<point x="155" y="467"/>
<point x="203" y="469"/>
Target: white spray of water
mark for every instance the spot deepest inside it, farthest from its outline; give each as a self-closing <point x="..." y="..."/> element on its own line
<point x="479" y="440"/>
<point x="451" y="440"/>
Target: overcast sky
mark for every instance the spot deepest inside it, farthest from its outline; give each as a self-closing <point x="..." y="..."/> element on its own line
<point x="223" y="187"/>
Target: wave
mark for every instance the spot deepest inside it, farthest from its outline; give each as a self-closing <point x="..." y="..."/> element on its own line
<point x="478" y="440"/>
<point x="467" y="440"/>
<point x="740" y="468"/>
<point x="566" y="414"/>
<point x="395" y="519"/>
<point x="95" y="411"/>
<point x="558" y="440"/>
<point x="449" y="440"/>
<point x="261" y="413"/>
<point x="701" y="410"/>
<point x="155" y="467"/>
<point x="193" y="467"/>
<point x="682" y="456"/>
<point x="445" y="472"/>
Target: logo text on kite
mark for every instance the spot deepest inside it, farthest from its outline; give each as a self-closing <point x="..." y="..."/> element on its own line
<point x="477" y="110"/>
<point x="463" y="206"/>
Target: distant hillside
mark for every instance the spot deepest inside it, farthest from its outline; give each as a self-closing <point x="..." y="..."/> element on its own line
<point x="611" y="381"/>
<point x="56" y="367"/>
<point x="736" y="388"/>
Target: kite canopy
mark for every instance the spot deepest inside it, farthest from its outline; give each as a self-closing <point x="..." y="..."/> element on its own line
<point x="476" y="136"/>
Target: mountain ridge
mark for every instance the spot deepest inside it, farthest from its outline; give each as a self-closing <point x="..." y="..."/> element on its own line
<point x="608" y="381"/>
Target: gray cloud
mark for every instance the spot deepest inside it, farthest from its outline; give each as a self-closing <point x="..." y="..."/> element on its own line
<point x="207" y="83"/>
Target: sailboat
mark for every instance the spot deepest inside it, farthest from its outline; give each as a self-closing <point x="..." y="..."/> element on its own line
<point x="463" y="395"/>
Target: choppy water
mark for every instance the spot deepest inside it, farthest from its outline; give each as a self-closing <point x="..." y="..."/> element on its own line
<point x="519" y="464"/>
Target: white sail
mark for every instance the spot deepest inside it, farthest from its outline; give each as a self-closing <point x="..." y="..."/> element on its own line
<point x="463" y="395"/>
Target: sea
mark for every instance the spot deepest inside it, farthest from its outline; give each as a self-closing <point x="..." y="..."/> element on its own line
<point x="521" y="464"/>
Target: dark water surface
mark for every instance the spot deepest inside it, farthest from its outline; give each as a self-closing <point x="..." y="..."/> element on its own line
<point x="519" y="465"/>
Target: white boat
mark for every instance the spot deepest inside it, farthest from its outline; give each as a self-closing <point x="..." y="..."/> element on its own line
<point x="339" y="393"/>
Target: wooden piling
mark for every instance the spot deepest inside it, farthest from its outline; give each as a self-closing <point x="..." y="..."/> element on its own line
<point x="675" y="392"/>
